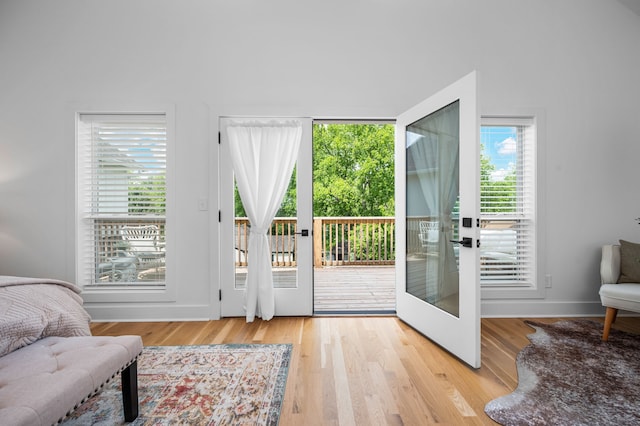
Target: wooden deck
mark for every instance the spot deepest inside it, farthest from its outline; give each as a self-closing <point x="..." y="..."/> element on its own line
<point x="343" y="289"/>
<point x="354" y="289"/>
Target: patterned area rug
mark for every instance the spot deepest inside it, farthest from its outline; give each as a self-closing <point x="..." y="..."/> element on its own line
<point x="569" y="376"/>
<point x="198" y="385"/>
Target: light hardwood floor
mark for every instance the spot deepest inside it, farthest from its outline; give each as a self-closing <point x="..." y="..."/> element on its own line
<point x="367" y="370"/>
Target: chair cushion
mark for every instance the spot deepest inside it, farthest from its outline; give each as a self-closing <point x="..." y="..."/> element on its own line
<point x="629" y="262"/>
<point x="621" y="296"/>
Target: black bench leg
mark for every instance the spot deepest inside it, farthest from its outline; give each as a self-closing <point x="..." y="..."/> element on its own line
<point x="130" y="392"/>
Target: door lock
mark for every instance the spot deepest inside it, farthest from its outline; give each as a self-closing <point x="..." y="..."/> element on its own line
<point x="466" y="242"/>
<point x="303" y="233"/>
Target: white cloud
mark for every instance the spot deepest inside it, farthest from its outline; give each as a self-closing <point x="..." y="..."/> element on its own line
<point x="498" y="175"/>
<point x="507" y="147"/>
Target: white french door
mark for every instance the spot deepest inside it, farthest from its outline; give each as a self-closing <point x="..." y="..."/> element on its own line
<point x="290" y="237"/>
<point x="437" y="211"/>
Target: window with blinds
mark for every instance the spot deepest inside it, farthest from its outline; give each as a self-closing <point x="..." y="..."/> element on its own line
<point x="507" y="201"/>
<point x="122" y="163"/>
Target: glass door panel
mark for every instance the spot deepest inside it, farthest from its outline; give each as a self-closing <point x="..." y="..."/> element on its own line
<point x="282" y="240"/>
<point x="432" y="197"/>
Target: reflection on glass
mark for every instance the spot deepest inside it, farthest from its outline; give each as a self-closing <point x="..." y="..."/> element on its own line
<point x="282" y="240"/>
<point x="432" y="200"/>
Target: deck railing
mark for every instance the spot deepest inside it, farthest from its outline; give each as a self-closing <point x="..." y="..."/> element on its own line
<point x="354" y="241"/>
<point x="108" y="239"/>
<point x="336" y="241"/>
<point x="134" y="259"/>
<point x="281" y="240"/>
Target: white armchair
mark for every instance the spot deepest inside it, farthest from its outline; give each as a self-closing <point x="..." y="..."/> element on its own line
<point x="614" y="295"/>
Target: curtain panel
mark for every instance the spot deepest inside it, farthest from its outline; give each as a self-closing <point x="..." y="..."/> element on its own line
<point x="263" y="155"/>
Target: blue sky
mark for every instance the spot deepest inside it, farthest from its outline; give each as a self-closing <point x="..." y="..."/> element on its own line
<point x="500" y="145"/>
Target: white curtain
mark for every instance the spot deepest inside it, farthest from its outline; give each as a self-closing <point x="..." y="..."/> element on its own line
<point x="263" y="155"/>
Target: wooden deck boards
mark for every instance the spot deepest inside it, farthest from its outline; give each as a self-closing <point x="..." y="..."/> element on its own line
<point x="354" y="288"/>
<point x="344" y="289"/>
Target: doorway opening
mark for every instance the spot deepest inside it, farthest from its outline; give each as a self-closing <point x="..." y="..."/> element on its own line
<point x="354" y="235"/>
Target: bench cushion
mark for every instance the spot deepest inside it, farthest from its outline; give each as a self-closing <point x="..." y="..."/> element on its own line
<point x="44" y="381"/>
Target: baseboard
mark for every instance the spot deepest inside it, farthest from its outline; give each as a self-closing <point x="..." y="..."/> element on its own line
<point x="141" y="313"/>
<point x="489" y="309"/>
<point x="534" y="308"/>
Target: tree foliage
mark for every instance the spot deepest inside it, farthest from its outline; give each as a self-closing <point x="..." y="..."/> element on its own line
<point x="353" y="175"/>
<point x="497" y="196"/>
<point x="353" y="170"/>
<point x="288" y="208"/>
<point x="148" y="196"/>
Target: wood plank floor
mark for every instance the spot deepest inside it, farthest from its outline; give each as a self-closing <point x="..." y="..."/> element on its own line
<point x="367" y="370"/>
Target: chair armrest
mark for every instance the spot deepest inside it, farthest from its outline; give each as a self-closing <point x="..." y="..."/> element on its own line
<point x="610" y="264"/>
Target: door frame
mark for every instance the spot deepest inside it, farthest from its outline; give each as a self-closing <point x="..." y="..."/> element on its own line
<point x="350" y="120"/>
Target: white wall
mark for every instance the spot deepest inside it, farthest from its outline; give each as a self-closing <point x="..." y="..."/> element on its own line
<point x="576" y="60"/>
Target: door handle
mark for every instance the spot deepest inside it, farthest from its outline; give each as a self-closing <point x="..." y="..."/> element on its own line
<point x="465" y="241"/>
<point x="303" y="233"/>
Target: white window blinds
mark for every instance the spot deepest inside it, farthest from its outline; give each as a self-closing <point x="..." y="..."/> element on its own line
<point x="507" y="202"/>
<point x="122" y="161"/>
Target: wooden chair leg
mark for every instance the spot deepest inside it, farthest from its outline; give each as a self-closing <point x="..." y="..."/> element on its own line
<point x="129" y="378"/>
<point x="610" y="317"/>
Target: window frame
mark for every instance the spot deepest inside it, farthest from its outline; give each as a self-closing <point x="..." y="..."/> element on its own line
<point x="160" y="292"/>
<point x="536" y="288"/>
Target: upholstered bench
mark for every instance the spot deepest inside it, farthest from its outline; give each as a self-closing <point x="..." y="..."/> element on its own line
<point x="41" y="383"/>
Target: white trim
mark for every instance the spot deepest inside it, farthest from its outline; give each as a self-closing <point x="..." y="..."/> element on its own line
<point x="537" y="118"/>
<point x="146" y="313"/>
<point x="490" y="309"/>
<point x="354" y="121"/>
<point x="540" y="308"/>
<point x="123" y="294"/>
<point x="215" y="277"/>
<point x="289" y="302"/>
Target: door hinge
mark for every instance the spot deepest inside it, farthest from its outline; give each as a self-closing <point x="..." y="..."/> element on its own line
<point x="220" y="295"/>
<point x="219" y="215"/>
<point x="477" y="223"/>
<point x="219" y="138"/>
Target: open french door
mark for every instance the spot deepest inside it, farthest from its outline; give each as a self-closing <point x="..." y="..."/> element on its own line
<point x="290" y="237"/>
<point x="437" y="211"/>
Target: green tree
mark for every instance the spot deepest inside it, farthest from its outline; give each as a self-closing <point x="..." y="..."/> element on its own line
<point x="354" y="175"/>
<point x="288" y="208"/>
<point x="497" y="196"/>
<point x="353" y="170"/>
<point x="148" y="195"/>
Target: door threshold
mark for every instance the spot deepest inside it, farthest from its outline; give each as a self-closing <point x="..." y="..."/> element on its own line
<point x="346" y="313"/>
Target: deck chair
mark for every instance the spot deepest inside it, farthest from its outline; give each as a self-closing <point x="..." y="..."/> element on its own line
<point x="429" y="234"/>
<point x="145" y="244"/>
